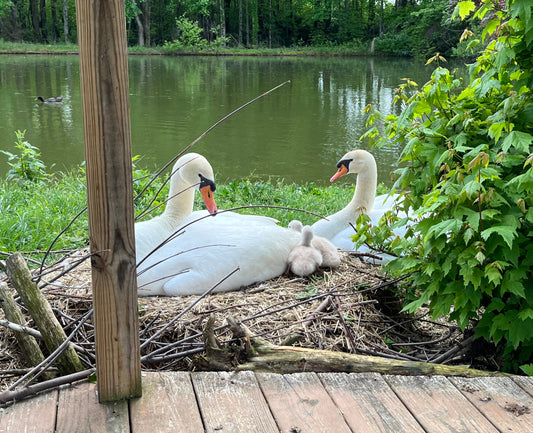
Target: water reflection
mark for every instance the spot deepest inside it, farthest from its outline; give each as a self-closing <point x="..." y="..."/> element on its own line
<point x="297" y="133"/>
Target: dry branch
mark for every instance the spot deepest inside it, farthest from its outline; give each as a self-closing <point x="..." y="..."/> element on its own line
<point x="28" y="346"/>
<point x="267" y="357"/>
<point x="41" y="313"/>
<point x="19" y="394"/>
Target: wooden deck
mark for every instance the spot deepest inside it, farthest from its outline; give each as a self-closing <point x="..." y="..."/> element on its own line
<point x="246" y="402"/>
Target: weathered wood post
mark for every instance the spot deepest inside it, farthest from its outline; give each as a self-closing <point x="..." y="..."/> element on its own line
<point x="105" y="100"/>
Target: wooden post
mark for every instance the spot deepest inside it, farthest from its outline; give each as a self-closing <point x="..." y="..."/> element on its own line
<point x="105" y="100"/>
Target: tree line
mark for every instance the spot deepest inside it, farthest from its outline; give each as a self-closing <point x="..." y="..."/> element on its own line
<point x="401" y="27"/>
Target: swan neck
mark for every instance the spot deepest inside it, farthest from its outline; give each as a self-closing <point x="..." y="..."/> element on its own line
<point x="180" y="200"/>
<point x="365" y="191"/>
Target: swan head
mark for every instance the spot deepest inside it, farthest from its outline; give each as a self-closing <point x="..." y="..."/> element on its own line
<point x="195" y="170"/>
<point x="356" y="161"/>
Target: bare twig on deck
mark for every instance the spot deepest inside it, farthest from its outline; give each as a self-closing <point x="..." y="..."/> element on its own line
<point x="13" y="396"/>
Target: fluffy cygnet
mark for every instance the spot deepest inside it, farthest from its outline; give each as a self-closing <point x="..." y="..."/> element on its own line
<point x="304" y="259"/>
<point x="330" y="254"/>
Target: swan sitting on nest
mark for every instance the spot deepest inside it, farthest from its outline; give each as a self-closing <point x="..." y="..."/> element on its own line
<point x="338" y="228"/>
<point x="192" y="172"/>
<point x="181" y="255"/>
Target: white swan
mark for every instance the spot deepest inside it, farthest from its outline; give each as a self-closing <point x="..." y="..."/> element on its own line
<point x="190" y="173"/>
<point x="337" y="228"/>
<point x="330" y="254"/>
<point x="305" y="259"/>
<point x="205" y="251"/>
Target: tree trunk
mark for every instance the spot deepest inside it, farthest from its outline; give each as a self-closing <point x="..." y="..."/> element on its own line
<point x="14" y="22"/>
<point x="140" y="30"/>
<point x="247" y="25"/>
<point x="240" y="22"/>
<point x="53" y="11"/>
<point x="43" y="21"/>
<point x="34" y="9"/>
<point x="270" y="24"/>
<point x="65" y="21"/>
<point x="222" y="20"/>
<point x="147" y="18"/>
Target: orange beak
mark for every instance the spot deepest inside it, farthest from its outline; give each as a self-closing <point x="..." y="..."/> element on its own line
<point x="340" y="172"/>
<point x="209" y="200"/>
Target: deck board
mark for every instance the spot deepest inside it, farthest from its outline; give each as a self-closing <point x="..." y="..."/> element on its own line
<point x="232" y="403"/>
<point x="369" y="404"/>
<point x="299" y="402"/>
<point x="21" y="417"/>
<point x="246" y="402"/>
<point x="168" y="403"/>
<point x="78" y="411"/>
<point x="501" y="400"/>
<point x="438" y="405"/>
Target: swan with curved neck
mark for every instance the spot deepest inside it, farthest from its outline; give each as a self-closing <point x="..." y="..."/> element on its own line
<point x="364" y="165"/>
<point x="191" y="173"/>
<point x="338" y="227"/>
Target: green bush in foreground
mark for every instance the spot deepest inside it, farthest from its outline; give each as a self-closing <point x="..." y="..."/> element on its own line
<point x="468" y="167"/>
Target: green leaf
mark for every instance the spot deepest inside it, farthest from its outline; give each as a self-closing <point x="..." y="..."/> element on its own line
<point x="527" y="368"/>
<point x="519" y="140"/>
<point x="506" y="232"/>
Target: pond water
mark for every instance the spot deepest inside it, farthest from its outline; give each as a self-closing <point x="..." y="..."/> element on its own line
<point x="297" y="133"/>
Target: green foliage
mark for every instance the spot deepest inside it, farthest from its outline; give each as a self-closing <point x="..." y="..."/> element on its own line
<point x="33" y="214"/>
<point x="467" y="164"/>
<point x="25" y="166"/>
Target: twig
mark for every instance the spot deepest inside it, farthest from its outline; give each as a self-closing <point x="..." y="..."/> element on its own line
<point x="13" y="396"/>
<point x="207" y="292"/>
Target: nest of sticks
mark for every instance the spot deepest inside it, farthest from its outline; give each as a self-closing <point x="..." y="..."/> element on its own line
<point x="352" y="309"/>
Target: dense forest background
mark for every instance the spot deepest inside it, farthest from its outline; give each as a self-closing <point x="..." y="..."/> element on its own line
<point x="392" y="27"/>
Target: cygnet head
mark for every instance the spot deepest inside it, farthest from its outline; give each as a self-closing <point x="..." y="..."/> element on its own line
<point x="307" y="236"/>
<point x="356" y="161"/>
<point x="296" y="225"/>
<point x="194" y="169"/>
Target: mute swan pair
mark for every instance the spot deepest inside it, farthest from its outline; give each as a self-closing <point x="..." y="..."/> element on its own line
<point x="338" y="227"/>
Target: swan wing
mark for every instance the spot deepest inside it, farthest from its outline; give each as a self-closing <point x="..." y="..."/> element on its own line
<point x="208" y="250"/>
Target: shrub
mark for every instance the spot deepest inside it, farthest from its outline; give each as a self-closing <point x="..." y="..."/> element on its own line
<point x="467" y="164"/>
<point x="25" y="166"/>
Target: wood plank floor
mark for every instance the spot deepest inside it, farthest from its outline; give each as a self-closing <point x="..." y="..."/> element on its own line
<point x="245" y="402"/>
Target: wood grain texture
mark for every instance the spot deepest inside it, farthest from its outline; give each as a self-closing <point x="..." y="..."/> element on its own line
<point x="368" y="403"/>
<point x="438" y="405"/>
<point x="105" y="102"/>
<point x="501" y="400"/>
<point x="168" y="404"/>
<point x="232" y="403"/>
<point x="79" y="412"/>
<point x="35" y="415"/>
<point x="299" y="402"/>
<point x="526" y="383"/>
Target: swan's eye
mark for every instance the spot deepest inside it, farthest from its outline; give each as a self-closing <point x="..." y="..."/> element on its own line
<point x="207" y="182"/>
<point x="345" y="162"/>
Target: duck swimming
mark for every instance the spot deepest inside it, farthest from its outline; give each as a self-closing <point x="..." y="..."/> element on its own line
<point x="57" y="99"/>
